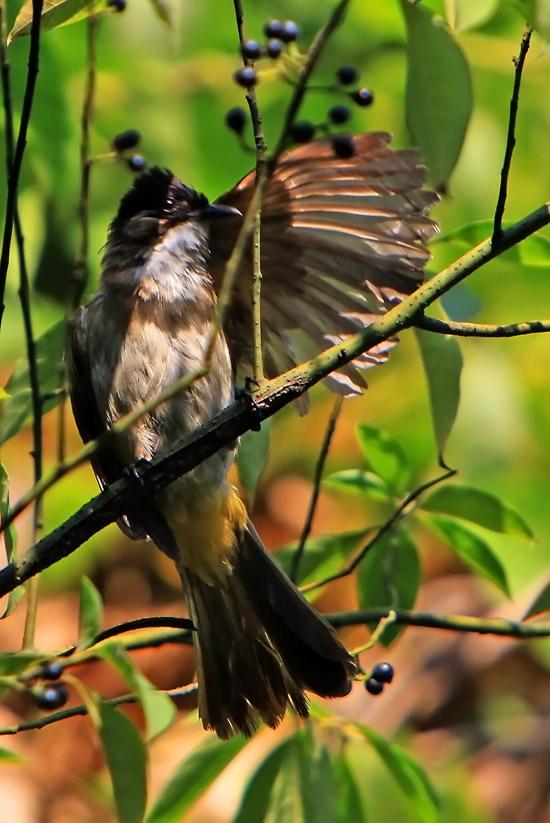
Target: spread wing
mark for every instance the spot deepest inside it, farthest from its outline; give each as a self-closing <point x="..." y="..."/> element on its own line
<point x="341" y="241"/>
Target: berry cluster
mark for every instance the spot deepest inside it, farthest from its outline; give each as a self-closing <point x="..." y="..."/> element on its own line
<point x="381" y="675"/>
<point x="278" y="36"/>
<point x="53" y="695"/>
<point x="125" y="141"/>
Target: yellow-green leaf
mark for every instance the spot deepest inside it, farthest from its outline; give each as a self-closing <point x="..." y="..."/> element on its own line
<point x="55" y="13"/>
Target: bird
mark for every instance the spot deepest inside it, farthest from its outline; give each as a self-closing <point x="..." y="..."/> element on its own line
<point x="342" y="239"/>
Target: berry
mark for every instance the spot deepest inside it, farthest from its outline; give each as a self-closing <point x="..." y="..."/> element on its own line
<point x="374" y="686"/>
<point x="274" y="48"/>
<point x="383" y="672"/>
<point x="52" y="697"/>
<point x="251" y="50"/>
<point x="290" y="32"/>
<point x="128" y="139"/>
<point x="302" y="132"/>
<point x="136" y="163"/>
<point x="339" y="115"/>
<point x="342" y="145"/>
<point x="245" y="77"/>
<point x="274" y="29"/>
<point x="363" y="97"/>
<point x="235" y="119"/>
<point x="346" y="75"/>
<point x="117" y="5"/>
<point x="50" y="671"/>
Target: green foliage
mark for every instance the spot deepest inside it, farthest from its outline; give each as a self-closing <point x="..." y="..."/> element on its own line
<point x="385" y="455"/>
<point x="477" y="506"/>
<point x="252" y="457"/>
<point x="91" y="612"/>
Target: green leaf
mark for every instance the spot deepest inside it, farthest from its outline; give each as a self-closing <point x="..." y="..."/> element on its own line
<point x="478" y="507"/>
<point x="409" y="776"/>
<point x="285" y="803"/>
<point x="536" y="13"/>
<point x="540" y="604"/>
<point x="346" y="792"/>
<point x="469" y="14"/>
<point x="533" y="251"/>
<point x="356" y="481"/>
<point x="317" y="785"/>
<point x="471" y="548"/>
<point x="439" y="92"/>
<point x="442" y="361"/>
<point x="10" y="757"/>
<point x="91" y="612"/>
<point x="252" y="457"/>
<point x="389" y="575"/>
<point x="193" y="776"/>
<point x="323" y="556"/>
<point x="256" y="797"/>
<point x="17" y="662"/>
<point x="158" y="708"/>
<point x="385" y="456"/>
<point x="10" y="539"/>
<point x="16" y="410"/>
<point x="126" y="761"/>
<point x="56" y="13"/>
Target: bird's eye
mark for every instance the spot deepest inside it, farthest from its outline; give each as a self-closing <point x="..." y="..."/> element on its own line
<point x="169" y="202"/>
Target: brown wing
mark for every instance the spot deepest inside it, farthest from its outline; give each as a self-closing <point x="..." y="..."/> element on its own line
<point x="341" y="241"/>
<point x="88" y="418"/>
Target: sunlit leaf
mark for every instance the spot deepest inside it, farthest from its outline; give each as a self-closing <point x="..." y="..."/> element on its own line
<point x="478" y="507"/>
<point x="389" y="575"/>
<point x="126" y="761"/>
<point x="471" y="548"/>
<point x="439" y="92"/>
<point x="363" y="483"/>
<point x="193" y="776"/>
<point x="285" y="802"/>
<point x="536" y="13"/>
<point x="10" y="757"/>
<point x="17" y="662"/>
<point x="158" y="708"/>
<point x="252" y="457"/>
<point x="409" y="776"/>
<point x="10" y="539"/>
<point x="323" y="555"/>
<point x="56" y="13"/>
<point x="532" y="251"/>
<point x="348" y="805"/>
<point x="540" y="604"/>
<point x="91" y="612"/>
<point x="385" y="456"/>
<point x="469" y="14"/>
<point x="16" y="410"/>
<point x="442" y="361"/>
<point x="165" y="11"/>
<point x="317" y="785"/>
<point x="256" y="797"/>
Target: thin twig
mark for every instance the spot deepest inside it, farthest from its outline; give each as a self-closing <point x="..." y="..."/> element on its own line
<point x="256" y="298"/>
<point x="76" y="711"/>
<point x="511" y="139"/>
<point x="482" y="329"/>
<point x="399" y="514"/>
<point x="13" y="176"/>
<point x="241" y="415"/>
<point x="317" y="477"/>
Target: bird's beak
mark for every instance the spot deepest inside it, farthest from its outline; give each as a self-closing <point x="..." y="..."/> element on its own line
<point x="215" y="210"/>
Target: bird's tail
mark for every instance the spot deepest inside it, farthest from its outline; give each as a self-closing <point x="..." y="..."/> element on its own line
<point x="259" y="644"/>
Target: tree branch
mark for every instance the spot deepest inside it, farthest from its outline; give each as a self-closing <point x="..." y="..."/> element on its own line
<point x="481" y="329"/>
<point x="243" y="415"/>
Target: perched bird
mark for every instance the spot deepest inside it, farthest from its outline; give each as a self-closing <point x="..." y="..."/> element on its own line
<point x="342" y="239"/>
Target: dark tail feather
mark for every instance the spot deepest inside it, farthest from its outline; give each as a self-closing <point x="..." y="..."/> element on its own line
<point x="260" y="644"/>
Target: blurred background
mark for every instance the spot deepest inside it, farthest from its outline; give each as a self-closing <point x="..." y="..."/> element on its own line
<point x="474" y="711"/>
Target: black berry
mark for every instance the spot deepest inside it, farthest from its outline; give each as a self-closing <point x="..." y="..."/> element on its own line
<point x="117" y="5"/>
<point x="128" y="139"/>
<point x="136" y="163"/>
<point x="342" y="145"/>
<point x="346" y="75"/>
<point x="290" y="32"/>
<point x="383" y="672"/>
<point x="251" y="50"/>
<point x="235" y="119"/>
<point x="363" y="97"/>
<point x="374" y="686"/>
<point x="302" y="132"/>
<point x="339" y="115"/>
<point x="245" y="77"/>
<point x="274" y="29"/>
<point x="52" y="697"/>
<point x="50" y="671"/>
<point x="274" y="48"/>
